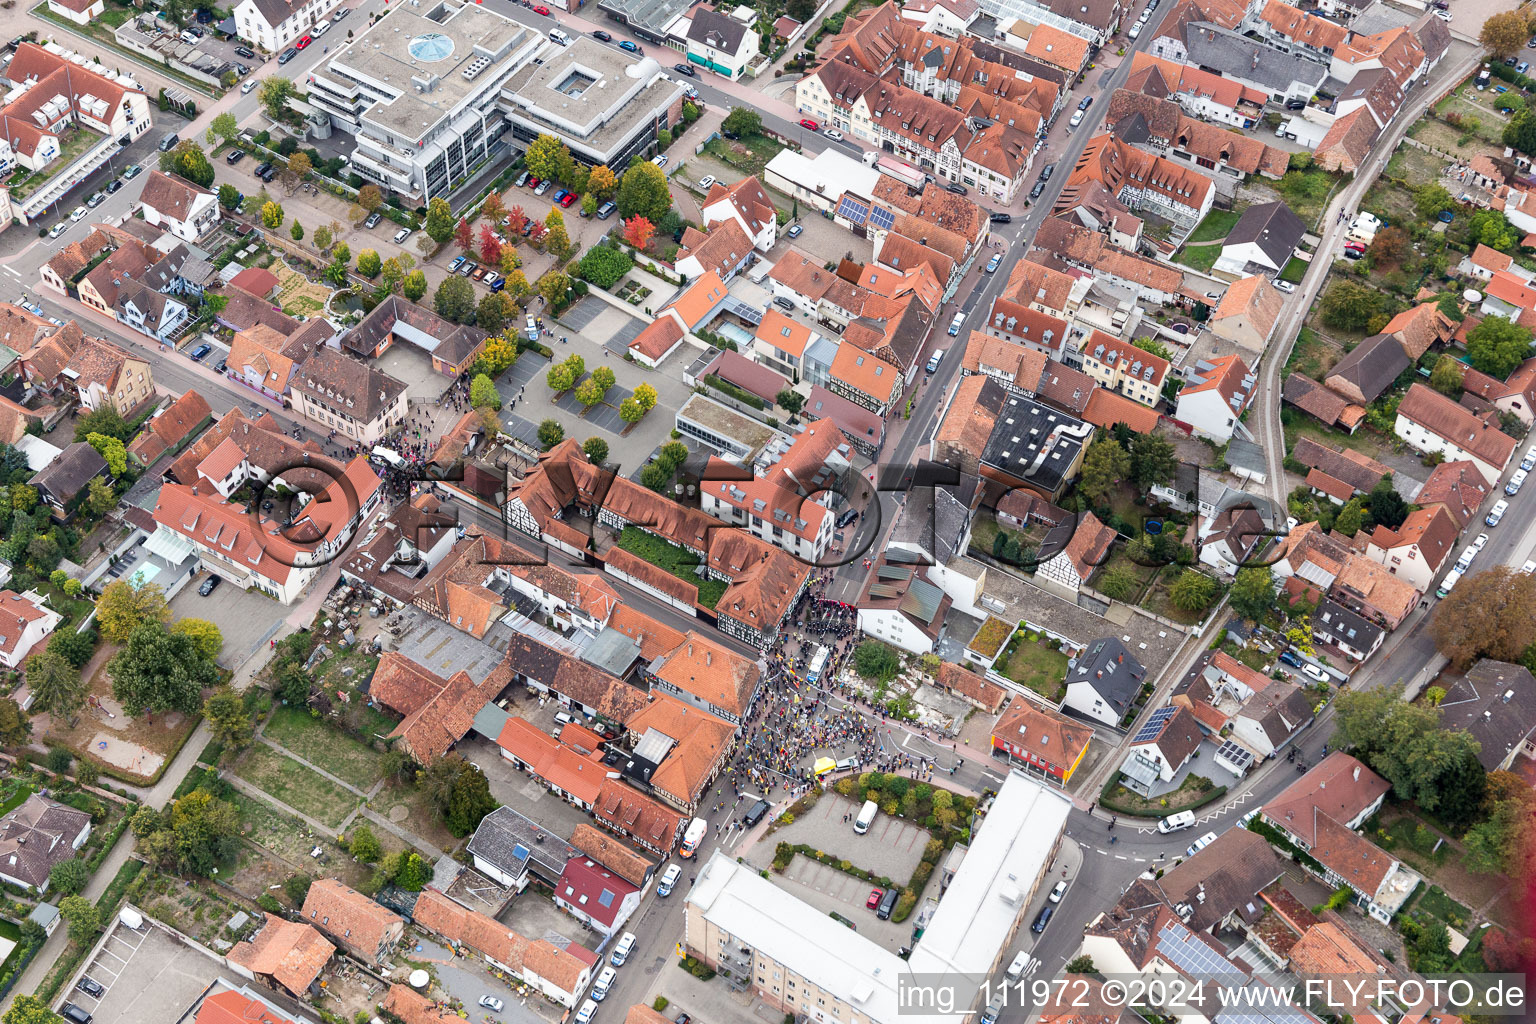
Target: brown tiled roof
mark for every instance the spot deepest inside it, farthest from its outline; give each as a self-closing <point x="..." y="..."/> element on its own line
<point x="414" y="1008"/>
<point x="171" y="427"/>
<point x="1332" y="486"/>
<point x="1107" y="409"/>
<point x="1455" y="424"/>
<point x="1031" y="283"/>
<point x="972" y="686"/>
<point x="169" y="195"/>
<point x="1224" y="878"/>
<point x="1332" y="949"/>
<point x="347" y="914"/>
<point x="333" y="379"/>
<point x="292" y="952"/>
<point x="1051" y="737"/>
<point x="1351" y="856"/>
<point x="1348" y="142"/>
<point x="655" y="638"/>
<point x="630" y="865"/>
<point x="1457" y="486"/>
<point x="1066" y="388"/>
<point x="1432" y="530"/>
<point x="1359" y="471"/>
<point x="713" y="673"/>
<point x="1089" y="544"/>
<point x="1312" y="398"/>
<point x="625" y="809"/>
<point x="701" y="744"/>
<point x="37" y="835"/>
<point x="555" y="965"/>
<point x="445" y="718"/>
<point x="1339" y="786"/>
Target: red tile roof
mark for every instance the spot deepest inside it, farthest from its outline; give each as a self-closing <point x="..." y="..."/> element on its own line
<point x="292" y="952"/>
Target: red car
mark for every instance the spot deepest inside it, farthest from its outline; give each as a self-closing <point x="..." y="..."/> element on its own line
<point x="533" y="182"/>
<point x="541" y="10"/>
<point x="303" y="42"/>
<point x="570" y="197"/>
<point x="806" y="122"/>
<point x="874" y="899"/>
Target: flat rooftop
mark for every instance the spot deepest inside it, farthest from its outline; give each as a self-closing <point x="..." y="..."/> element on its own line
<point x="727" y="423"/>
<point x="593" y="93"/>
<point x="424" y="54"/>
<point x="1034" y="443"/>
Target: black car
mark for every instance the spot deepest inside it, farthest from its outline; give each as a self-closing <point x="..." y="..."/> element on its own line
<point x="269" y="173"/>
<point x="235" y="156"/>
<point x="91" y="987"/>
<point x="1087" y="102"/>
<point x="262" y="168"/>
<point x="1043" y="918"/>
<point x="209" y="585"/>
<point x="1034" y="193"/>
<point x="730" y="135"/>
<point x="1047" y="171"/>
<point x="246" y="52"/>
<point x="115" y="184"/>
<point x="958" y="190"/>
<point x="1295" y="104"/>
<point x="887" y="905"/>
<point x="287" y="55"/>
<point x="603" y="36"/>
<point x="1001" y="218"/>
<point x="755" y="813"/>
<point x="685" y="69"/>
<point x="848" y="516"/>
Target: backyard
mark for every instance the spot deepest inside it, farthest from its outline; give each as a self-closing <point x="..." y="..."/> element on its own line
<point x="1313" y="355"/>
<point x="1194" y="791"/>
<point x="1158" y="602"/>
<point x="298" y="295"/>
<point x="1040" y="666"/>
<point x="321" y="745"/>
<point x="1307" y="192"/>
<point x="132" y="748"/>
<point x="285" y="780"/>
<point x="1200" y="257"/>
<point x="748" y="155"/>
<point x="672" y="559"/>
<point x="1450" y="889"/>
<point x="1215" y="227"/>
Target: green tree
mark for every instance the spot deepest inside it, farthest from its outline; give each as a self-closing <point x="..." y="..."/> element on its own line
<point x="104" y="419"/>
<point x="1431" y="199"/>
<point x="604" y="265"/>
<point x="1081" y="965"/>
<point x="454" y="299"/>
<point x="589" y="392"/>
<point x="1349" y="305"/>
<point x="873" y="659"/>
<point x="643" y="192"/>
<point x="742" y="121"/>
<point x="440" y="220"/>
<point x="55" y="684"/>
<point x="26" y="1009"/>
<point x="1494" y="230"/>
<point x="323" y="237"/>
<point x="14" y="727"/>
<point x="1104" y="467"/>
<point x="1117" y="581"/>
<point x="1496" y="346"/>
<point x="1386" y="506"/>
<point x="551" y="433"/>
<point x="1253" y="593"/>
<point x="368" y="263"/>
<point x="229" y="197"/>
<point x="645" y="394"/>
<point x="494" y="310"/>
<point x="83" y="918"/>
<point x="393" y="273"/>
<point x="1193" y="591"/>
<point x="159" y="671"/>
<point x="122" y="607"/>
<point x="1405" y="744"/>
<point x="483" y="393"/>
<point x="1503" y="34"/>
<point x="560" y="377"/>
<point x="68" y="877"/>
<point x="341" y="252"/>
<point x="1502" y="842"/>
<point x="548" y="157"/>
<point x="1447" y="375"/>
<point x="596" y="449"/>
<point x="414" y="286"/>
<point x="553" y="286"/>
<point x="1154" y="460"/>
<point x="1351" y="517"/>
<point x="296" y="231"/>
<point x="228" y="718"/>
<point x="190" y="162"/>
<point x="274" y="94"/>
<point x="469" y="800"/>
<point x="517" y="286"/>
<point x="790" y="401"/>
<point x="272" y="215"/>
<point x="630" y="411"/>
<point x="1490" y="614"/>
<point x="414" y="873"/>
<point x="588" y="205"/>
<point x="111" y="449"/>
<point x="1520" y="131"/>
<point x="365" y="845"/>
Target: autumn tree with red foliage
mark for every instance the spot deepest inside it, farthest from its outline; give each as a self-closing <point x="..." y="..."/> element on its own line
<point x="490" y="246"/>
<point x="537" y="234"/>
<point x="516" y="221"/>
<point x="638" y="232"/>
<point x="464" y="236"/>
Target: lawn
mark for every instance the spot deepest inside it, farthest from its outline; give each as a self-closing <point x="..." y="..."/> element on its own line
<point x="749" y="155"/>
<point x="673" y="559"/>
<point x="319" y="744"/>
<point x="1307" y="192"/>
<point x="1200" y="257"/>
<point x="419" y="814"/>
<point x="1313" y="355"/>
<point x="297" y="295"/>
<point x="1435" y="901"/>
<point x="15" y="794"/>
<point x="1215" y="227"/>
<point x="286" y="780"/>
<point x="985" y="530"/>
<point x="1039" y="666"/>
<point x="1119" y="560"/>
<point x="1294" y="270"/>
<point x="1194" y="791"/>
<point x="1157" y="601"/>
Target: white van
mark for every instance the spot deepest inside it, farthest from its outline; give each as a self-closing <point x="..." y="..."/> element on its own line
<point x="557" y="36"/>
<point x="1449" y="583"/>
<point x="586" y="1013"/>
<point x="668" y="880"/>
<point x="935" y="359"/>
<point x="1022" y="965"/>
<point x="954" y="325"/>
<point x="603" y="983"/>
<point x="866" y="817"/>
<point x="1174" y="822"/>
<point x="621" y="951"/>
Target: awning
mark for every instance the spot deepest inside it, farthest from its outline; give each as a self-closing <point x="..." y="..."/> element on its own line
<point x="169" y="545"/>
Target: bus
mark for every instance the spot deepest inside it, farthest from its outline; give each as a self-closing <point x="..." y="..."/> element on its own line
<point x="818" y="665"/>
<point x="698" y="828"/>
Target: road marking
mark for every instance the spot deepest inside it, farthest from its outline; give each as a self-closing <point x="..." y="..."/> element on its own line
<point x="12" y="272"/>
<point x="1121" y="857"/>
<point x="1103" y="853"/>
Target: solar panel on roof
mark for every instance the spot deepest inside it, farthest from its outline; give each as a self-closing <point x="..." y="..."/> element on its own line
<point x="1189" y="954"/>
<point x="520" y="852"/>
<point x="1152" y="726"/>
<point x="882" y="218"/>
<point x="1238" y="755"/>
<point x="853" y="210"/>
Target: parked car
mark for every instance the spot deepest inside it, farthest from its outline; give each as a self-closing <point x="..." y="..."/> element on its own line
<point x="58" y="229"/>
<point x="1058" y="891"/>
<point x="602" y="36"/>
<point x="706" y="182"/>
<point x="468" y="268"/>
<point x="247" y="87"/>
<point x="1529" y="462"/>
<point x="402" y="235"/>
<point x="96" y="200"/>
<point x="113" y="186"/>
<point x="560" y="194"/>
<point x="1313" y="672"/>
<point x="957" y="189"/>
<point x="625" y="44"/>
<point x="686" y="69"/>
<point x="209" y="585"/>
<point x="660" y="159"/>
<point x="246" y="52"/>
<point x="1200" y="844"/>
<point x="287" y="55"/>
<point x="78" y="212"/>
<point x="131" y="171"/>
<point x="875" y="896"/>
<point x="541" y="9"/>
<point x="606" y="210"/>
<point x="992" y="263"/>
<point x="1295" y="104"/>
<point x="1496" y="513"/>
<point x="458" y="261"/>
<point x="541" y="188"/>
<point x="1515" y="482"/>
<point x="1076" y="119"/>
<point x="303" y="42"/>
<point x="201" y="351"/>
<point x="235" y="156"/>
<point x="833" y="134"/>
<point x="809" y="125"/>
<point x="1086" y="103"/>
<point x="477" y="274"/>
<point x="1290" y="659"/>
<point x="1034" y="193"/>
<point x="373" y="219"/>
<point x="341" y="14"/>
<point x="1001" y="218"/>
<point x="492" y="1003"/>
<point x="794" y="231"/>
<point x="91" y="987"/>
<point x="1043" y="918"/>
<point x="567" y="200"/>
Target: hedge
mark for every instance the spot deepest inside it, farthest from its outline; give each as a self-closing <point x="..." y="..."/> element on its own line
<point x="1105" y="800"/>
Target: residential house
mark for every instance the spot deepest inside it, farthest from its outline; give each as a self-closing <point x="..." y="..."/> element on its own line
<point x="967" y="422"/>
<point x="1142" y="181"/>
<point x="24" y="623"/>
<point x="265" y="360"/>
<point x="1014" y="325"/>
<point x="1344" y="148"/>
<point x="1262" y="241"/>
<point x="1312" y="553"/>
<point x="627" y="812"/>
<point x="36" y="836"/>
<point x="1218" y="888"/>
<point x="1247" y="315"/>
<point x="175" y="204"/>
<point x="1118" y="366"/>
<point x="1039" y="740"/>
<point x="1368" y="588"/>
<point x="902" y="605"/>
<point x="81" y="12"/>
<point x="1417" y="549"/>
<point x="64" y="482"/>
<point x="709" y="676"/>
<point x="1459" y="487"/>
<point x="273" y="25"/>
<point x="513" y="850"/>
<point x="360" y="926"/>
<point x="694" y="307"/>
<point x="596" y="896"/>
<point x="971" y="687"/>
<point x="1104" y="682"/>
<point x="1339" y="628"/>
<point x="1072" y="552"/>
<point x="1419" y="328"/>
<point x="1339" y="786"/>
<point x="357" y="401"/>
<point x="724" y="250"/>
<point x="746" y="203"/>
<point x="1496" y="703"/>
<point x="721" y="42"/>
<point x="1162" y="745"/>
<point x="99" y="374"/>
<point x="171" y="429"/>
<point x="290" y="954"/>
<point x="679" y="751"/>
<point x="1368" y="369"/>
<point x="1231" y="539"/>
<point x="1215" y="395"/>
<point x="1433" y="423"/>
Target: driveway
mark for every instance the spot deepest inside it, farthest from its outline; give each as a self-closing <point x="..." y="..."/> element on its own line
<point x="246" y="618"/>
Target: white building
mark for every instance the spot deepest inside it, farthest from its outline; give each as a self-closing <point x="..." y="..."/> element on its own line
<point x="178" y="206"/>
<point x="721" y="42"/>
<point x="1431" y="422"/>
<point x="1215" y="394"/>
<point x="273" y="25"/>
<point x="24" y="623"/>
<point x="81" y="12"/>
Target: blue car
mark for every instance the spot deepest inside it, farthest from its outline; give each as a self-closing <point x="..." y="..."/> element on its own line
<point x="625" y="44"/>
<point x="201" y="351"/>
<point x="1290" y="659"/>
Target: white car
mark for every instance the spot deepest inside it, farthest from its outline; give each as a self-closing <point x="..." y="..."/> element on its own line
<point x="833" y="134"/>
<point x="1482" y="538"/>
<point x="1281" y="129"/>
<point x="1058" y="892"/>
<point x="1200" y="844"/>
<point x="1529" y="462"/>
<point x="586" y="1013"/>
<point x="1291" y="522"/>
<point x="1077" y="119"/>
<point x="1313" y="672"/>
<point x="489" y="1002"/>
<point x="660" y="160"/>
<point x="1135" y="30"/>
<point x="78" y="212"/>
<point x="1513" y="487"/>
<point x="706" y="182"/>
<point x="247" y="87"/>
<point x="1528" y="568"/>
<point x="1495" y="514"/>
<point x="402" y="235"/>
<point x="58" y="229"/>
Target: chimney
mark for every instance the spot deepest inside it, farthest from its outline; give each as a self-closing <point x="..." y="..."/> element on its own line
<point x="708" y="657"/>
<point x="690" y="650"/>
<point x="1357" y="773"/>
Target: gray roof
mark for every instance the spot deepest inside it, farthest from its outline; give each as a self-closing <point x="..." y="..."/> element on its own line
<point x="651" y="15"/>
<point x="1034" y="443"/>
<point x="1223" y="878"/>
<point x="1243" y="454"/>
<point x="1274" y="227"/>
<point x="1280" y="710"/>
<point x="489" y="721"/>
<point x="1496" y="703"/>
<point x="1249" y="60"/>
<point x="510" y="841"/>
<point x="67" y="475"/>
<point x="935" y="517"/>
<point x="1372" y="365"/>
<point x="612" y="651"/>
<point x="1113" y="672"/>
<point x="1334" y="622"/>
<point x="715" y="29"/>
<point x="1379" y="17"/>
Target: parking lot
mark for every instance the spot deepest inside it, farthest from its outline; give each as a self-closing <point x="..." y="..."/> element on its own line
<point x="598" y="321"/>
<point x="246" y="618"/>
<point x="892" y="847"/>
<point x="147" y="974"/>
